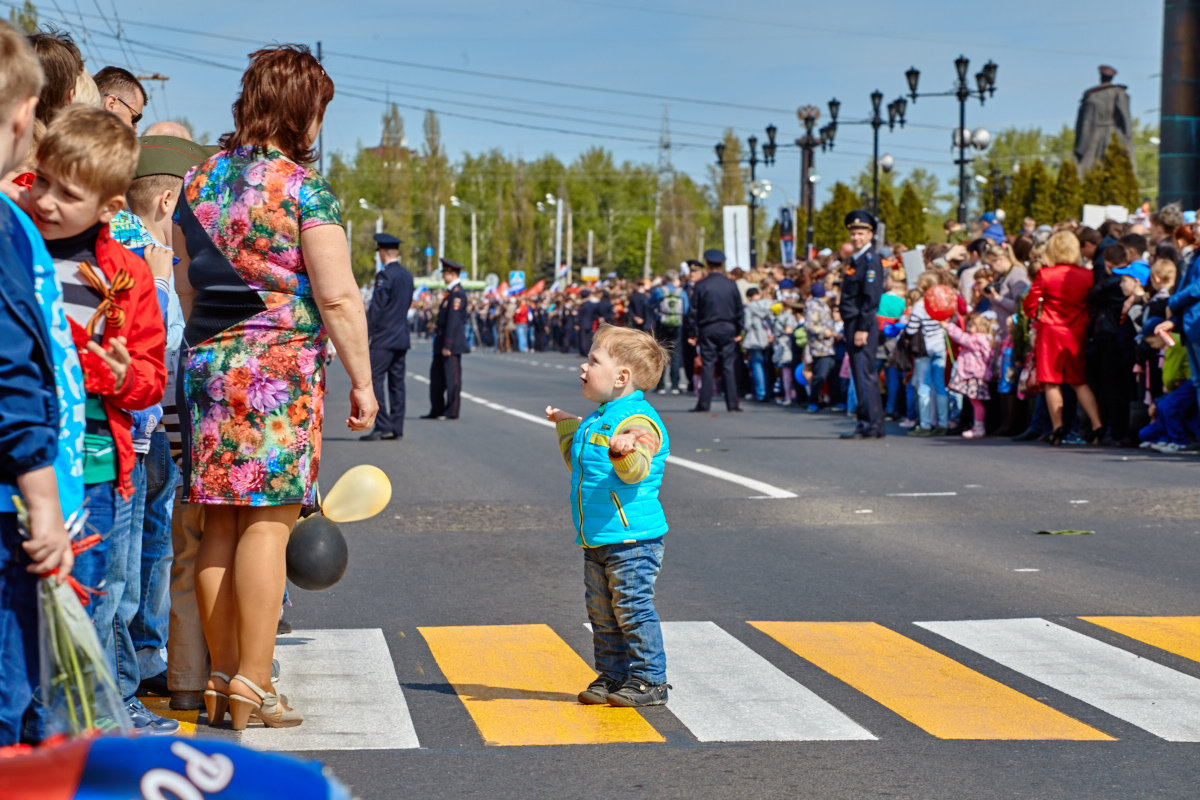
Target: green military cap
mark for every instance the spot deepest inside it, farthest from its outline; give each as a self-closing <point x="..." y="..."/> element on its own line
<point x="169" y="155"/>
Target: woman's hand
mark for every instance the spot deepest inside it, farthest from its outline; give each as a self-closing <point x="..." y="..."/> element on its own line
<point x="363" y="408"/>
<point x="557" y="415"/>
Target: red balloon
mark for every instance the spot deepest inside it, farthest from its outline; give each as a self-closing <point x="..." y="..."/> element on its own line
<point x="941" y="302"/>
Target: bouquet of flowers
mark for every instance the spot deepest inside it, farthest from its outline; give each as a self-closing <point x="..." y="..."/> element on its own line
<point x="78" y="691"/>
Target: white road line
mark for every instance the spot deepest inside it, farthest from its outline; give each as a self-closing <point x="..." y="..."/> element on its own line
<point x="1160" y="700"/>
<point x="763" y="489"/>
<point x="344" y="682"/>
<point x="923" y="494"/>
<point x="725" y="692"/>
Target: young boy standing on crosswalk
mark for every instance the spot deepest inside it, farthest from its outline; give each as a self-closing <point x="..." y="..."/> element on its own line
<point x="616" y="456"/>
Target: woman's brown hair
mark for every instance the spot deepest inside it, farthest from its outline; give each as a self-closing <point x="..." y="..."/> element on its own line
<point x="61" y="63"/>
<point x="283" y="91"/>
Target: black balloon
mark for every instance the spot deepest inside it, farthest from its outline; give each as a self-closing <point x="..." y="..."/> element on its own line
<point x="316" y="553"/>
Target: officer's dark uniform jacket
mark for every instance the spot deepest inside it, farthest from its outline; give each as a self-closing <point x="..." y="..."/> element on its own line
<point x="387" y="317"/>
<point x="450" y="332"/>
<point x="716" y="299"/>
<point x="862" y="286"/>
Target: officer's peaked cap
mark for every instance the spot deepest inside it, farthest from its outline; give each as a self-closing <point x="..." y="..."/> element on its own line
<point x="386" y="240"/>
<point x="714" y="256"/>
<point x="860" y="219"/>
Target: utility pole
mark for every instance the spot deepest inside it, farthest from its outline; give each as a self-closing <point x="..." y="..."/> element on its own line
<point x="646" y="263"/>
<point x="700" y="244"/>
<point x="321" y="135"/>
<point x="591" y="245"/>
<point x="570" y="246"/>
<point x="611" y="262"/>
<point x="474" y="249"/>
<point x="441" y="250"/>
<point x="558" y="232"/>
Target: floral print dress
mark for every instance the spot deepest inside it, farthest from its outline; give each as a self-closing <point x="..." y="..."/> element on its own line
<point x="252" y="374"/>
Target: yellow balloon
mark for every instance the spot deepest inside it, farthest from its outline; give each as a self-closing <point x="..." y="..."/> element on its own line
<point x="361" y="493"/>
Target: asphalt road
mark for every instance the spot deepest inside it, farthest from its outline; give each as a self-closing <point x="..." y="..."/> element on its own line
<point x="474" y="581"/>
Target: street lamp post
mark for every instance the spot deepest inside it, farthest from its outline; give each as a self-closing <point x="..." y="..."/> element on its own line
<point x="768" y="159"/>
<point x="895" y="115"/>
<point x="985" y="83"/>
<point x="808" y="143"/>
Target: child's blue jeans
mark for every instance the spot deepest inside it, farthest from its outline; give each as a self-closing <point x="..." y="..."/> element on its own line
<point x="619" y="589"/>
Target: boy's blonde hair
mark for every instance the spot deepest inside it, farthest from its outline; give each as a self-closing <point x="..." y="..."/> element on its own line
<point x="21" y="74"/>
<point x="1164" y="272"/>
<point x="91" y="147"/>
<point x="637" y="350"/>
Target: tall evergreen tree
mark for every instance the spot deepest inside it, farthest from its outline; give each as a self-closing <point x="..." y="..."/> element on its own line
<point x="1068" y="192"/>
<point x="1040" y="201"/>
<point x="910" y="222"/>
<point x="830" y="220"/>
<point x="1112" y="181"/>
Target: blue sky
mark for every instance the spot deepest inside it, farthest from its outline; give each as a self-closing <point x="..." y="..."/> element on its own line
<point x="770" y="57"/>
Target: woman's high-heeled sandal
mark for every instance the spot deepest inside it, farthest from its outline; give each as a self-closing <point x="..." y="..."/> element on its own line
<point x="216" y="703"/>
<point x="267" y="708"/>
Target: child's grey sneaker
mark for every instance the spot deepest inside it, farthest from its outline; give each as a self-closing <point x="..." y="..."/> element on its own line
<point x="598" y="691"/>
<point x="636" y="693"/>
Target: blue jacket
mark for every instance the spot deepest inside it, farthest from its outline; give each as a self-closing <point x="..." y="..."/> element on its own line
<point x="1185" y="303"/>
<point x="28" y="402"/>
<point x="605" y="509"/>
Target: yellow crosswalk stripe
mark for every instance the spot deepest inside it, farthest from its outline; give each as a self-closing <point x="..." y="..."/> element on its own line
<point x="519" y="684"/>
<point x="935" y="693"/>
<point x="162" y="707"/>
<point x="1178" y="635"/>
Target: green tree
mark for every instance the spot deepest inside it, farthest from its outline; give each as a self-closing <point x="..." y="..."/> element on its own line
<point x="909" y="228"/>
<point x="25" y="18"/>
<point x="1040" y="202"/>
<point x="1112" y="182"/>
<point x="889" y="213"/>
<point x="1068" y="192"/>
<point x="830" y="220"/>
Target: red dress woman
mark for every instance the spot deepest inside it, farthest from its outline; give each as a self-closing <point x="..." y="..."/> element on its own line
<point x="1057" y="303"/>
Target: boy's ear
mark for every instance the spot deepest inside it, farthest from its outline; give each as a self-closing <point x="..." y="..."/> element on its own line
<point x="109" y="208"/>
<point x="624" y="376"/>
<point x="166" y="201"/>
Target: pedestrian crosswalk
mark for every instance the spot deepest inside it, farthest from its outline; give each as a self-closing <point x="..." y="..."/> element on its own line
<point x="518" y="683"/>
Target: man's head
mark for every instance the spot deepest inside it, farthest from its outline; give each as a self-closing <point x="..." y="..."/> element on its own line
<point x="714" y="259"/>
<point x="169" y="128"/>
<point x="620" y="361"/>
<point x="861" y="227"/>
<point x="1115" y="256"/>
<point x="1089" y="242"/>
<point x="388" y="247"/>
<point x="122" y="94"/>
<point x="1135" y="245"/>
<point x="20" y="84"/>
<point x="450" y="271"/>
<point x="86" y="161"/>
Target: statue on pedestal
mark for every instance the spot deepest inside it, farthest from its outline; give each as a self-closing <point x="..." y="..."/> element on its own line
<point x="1103" y="111"/>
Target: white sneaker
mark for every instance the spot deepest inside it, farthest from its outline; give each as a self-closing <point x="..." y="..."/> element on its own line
<point x="674" y="391"/>
<point x="1167" y="447"/>
<point x="661" y="391"/>
<point x="1146" y="445"/>
<point x="908" y="423"/>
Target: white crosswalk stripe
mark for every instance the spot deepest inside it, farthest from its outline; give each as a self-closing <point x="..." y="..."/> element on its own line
<point x="725" y="692"/>
<point x="1148" y="695"/>
<point x="324" y="672"/>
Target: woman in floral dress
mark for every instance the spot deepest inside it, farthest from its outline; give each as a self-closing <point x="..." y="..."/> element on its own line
<point x="266" y="275"/>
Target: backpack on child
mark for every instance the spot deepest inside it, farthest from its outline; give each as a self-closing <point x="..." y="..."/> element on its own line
<point x="670" y="308"/>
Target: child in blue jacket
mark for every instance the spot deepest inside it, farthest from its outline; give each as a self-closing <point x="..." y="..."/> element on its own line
<point x="616" y="457"/>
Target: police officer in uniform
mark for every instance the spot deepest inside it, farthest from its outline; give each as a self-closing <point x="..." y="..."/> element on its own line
<point x="862" y="286"/>
<point x="387" y="327"/>
<point x="449" y="343"/>
<point x="715" y="320"/>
